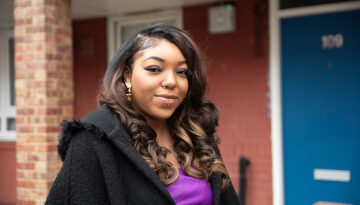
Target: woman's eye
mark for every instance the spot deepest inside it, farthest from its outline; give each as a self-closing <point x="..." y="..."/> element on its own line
<point x="182" y="71"/>
<point x="153" y="69"/>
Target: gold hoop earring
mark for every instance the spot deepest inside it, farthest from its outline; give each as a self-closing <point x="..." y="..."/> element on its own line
<point x="129" y="94"/>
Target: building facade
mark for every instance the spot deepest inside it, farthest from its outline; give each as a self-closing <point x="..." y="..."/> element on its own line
<point x="55" y="63"/>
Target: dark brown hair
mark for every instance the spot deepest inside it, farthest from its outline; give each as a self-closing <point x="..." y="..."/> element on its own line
<point x="193" y="124"/>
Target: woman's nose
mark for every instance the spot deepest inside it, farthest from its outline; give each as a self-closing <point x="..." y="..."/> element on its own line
<point x="169" y="80"/>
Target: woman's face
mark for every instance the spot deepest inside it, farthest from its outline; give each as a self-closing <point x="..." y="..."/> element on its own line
<point x="158" y="80"/>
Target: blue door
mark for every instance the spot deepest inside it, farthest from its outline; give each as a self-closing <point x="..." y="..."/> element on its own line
<point x="321" y="108"/>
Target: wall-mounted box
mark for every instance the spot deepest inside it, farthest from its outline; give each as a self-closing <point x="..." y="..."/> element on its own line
<point x="222" y="19"/>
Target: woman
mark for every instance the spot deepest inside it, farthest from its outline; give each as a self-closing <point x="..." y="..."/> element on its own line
<point x="151" y="139"/>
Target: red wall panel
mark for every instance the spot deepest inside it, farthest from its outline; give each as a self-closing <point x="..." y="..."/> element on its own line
<point x="89" y="62"/>
<point x="7" y="173"/>
<point x="238" y="85"/>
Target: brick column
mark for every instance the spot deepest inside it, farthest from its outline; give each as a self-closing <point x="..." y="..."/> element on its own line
<point x="44" y="92"/>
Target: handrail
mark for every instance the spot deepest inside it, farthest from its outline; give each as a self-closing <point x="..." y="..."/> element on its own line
<point x="244" y="162"/>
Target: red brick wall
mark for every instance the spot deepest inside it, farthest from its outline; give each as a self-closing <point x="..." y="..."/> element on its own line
<point x="89" y="62"/>
<point x="238" y="85"/>
<point x="44" y="92"/>
<point x="7" y="173"/>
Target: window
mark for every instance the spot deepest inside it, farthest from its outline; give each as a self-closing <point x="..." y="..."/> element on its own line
<point x="121" y="28"/>
<point x="7" y="87"/>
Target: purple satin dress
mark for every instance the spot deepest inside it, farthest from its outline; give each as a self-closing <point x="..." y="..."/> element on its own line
<point x="190" y="191"/>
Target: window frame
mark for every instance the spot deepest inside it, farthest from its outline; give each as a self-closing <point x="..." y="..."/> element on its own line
<point x="115" y="24"/>
<point x="6" y="109"/>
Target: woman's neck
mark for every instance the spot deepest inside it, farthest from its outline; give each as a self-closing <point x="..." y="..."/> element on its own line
<point x="163" y="137"/>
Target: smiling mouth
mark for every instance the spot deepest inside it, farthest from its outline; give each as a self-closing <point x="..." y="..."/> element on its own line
<point x="167" y="99"/>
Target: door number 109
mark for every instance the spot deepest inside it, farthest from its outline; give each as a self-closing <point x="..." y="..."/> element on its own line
<point x="331" y="41"/>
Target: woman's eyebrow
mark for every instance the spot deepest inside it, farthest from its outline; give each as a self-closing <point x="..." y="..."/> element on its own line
<point x="181" y="62"/>
<point x="162" y="60"/>
<point x="155" y="58"/>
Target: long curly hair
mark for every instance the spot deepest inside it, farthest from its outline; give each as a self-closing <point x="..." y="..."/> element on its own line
<point x="192" y="125"/>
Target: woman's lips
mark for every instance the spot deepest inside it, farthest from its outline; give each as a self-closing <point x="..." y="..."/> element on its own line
<point x="167" y="99"/>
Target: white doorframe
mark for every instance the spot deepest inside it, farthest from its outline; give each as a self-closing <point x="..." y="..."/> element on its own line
<point x="275" y="81"/>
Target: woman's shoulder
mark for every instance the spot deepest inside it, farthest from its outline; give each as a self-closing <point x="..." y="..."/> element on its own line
<point x="93" y="127"/>
<point x="83" y="133"/>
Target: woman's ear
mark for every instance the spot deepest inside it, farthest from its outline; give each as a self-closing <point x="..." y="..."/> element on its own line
<point x="127" y="75"/>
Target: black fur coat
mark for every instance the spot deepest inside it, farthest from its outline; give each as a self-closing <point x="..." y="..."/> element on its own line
<point x="101" y="166"/>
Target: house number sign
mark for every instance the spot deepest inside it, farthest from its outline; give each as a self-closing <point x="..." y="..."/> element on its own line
<point x="331" y="41"/>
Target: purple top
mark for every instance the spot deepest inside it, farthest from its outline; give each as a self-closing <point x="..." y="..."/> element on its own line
<point x="189" y="190"/>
